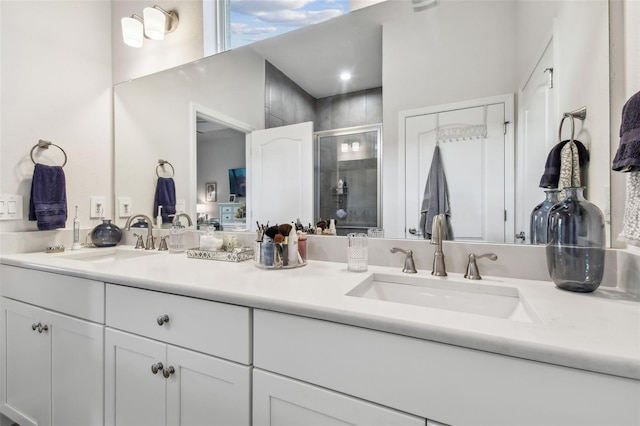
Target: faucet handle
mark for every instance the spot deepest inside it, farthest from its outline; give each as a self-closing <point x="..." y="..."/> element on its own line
<point x="409" y="264"/>
<point x="472" y="267"/>
<point x="139" y="242"/>
<point x="163" y="243"/>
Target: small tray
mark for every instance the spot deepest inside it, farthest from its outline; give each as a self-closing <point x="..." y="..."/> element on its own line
<point x="225" y="256"/>
<point x="263" y="266"/>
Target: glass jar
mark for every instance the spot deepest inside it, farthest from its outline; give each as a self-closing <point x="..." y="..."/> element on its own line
<point x="539" y="216"/>
<point x="575" y="248"/>
<point x="106" y="234"/>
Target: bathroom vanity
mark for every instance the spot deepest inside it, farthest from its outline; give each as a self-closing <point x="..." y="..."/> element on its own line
<point x="188" y="341"/>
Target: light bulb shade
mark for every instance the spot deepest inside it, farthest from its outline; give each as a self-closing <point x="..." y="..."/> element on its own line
<point x="344" y="147"/>
<point x="132" y="31"/>
<point x="355" y="146"/>
<point x="155" y="22"/>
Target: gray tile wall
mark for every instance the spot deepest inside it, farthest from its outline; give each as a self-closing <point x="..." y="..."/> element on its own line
<point x="285" y="102"/>
<point x="349" y="110"/>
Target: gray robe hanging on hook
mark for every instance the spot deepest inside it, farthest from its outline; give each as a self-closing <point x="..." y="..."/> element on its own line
<point x="435" y="200"/>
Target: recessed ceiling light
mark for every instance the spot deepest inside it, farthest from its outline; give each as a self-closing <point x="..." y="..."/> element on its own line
<point x="345" y="76"/>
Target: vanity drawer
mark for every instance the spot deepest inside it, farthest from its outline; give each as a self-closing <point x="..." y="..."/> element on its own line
<point x="227" y="209"/>
<point x="214" y="328"/>
<point x="227" y="218"/>
<point x="74" y="296"/>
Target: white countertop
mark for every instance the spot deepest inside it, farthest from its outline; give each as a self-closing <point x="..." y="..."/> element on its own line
<point x="598" y="332"/>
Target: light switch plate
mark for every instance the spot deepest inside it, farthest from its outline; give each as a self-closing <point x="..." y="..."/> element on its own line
<point x="97" y="207"/>
<point x="11" y="207"/>
<point x="124" y="207"/>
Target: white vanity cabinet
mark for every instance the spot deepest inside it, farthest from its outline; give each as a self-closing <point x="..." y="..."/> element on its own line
<point x="280" y="401"/>
<point x="164" y="360"/>
<point x="439" y="382"/>
<point x="51" y="348"/>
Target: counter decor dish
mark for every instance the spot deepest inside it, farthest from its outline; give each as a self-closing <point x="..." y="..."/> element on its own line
<point x="236" y="255"/>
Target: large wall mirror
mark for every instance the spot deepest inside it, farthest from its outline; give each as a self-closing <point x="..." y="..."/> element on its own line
<point x="457" y="53"/>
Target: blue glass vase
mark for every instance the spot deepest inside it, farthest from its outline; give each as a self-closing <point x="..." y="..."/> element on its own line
<point x="540" y="216"/>
<point x="106" y="234"/>
<point x="575" y="248"/>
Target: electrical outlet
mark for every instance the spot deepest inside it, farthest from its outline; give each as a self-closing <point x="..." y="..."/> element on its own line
<point x="124" y="207"/>
<point x="97" y="207"/>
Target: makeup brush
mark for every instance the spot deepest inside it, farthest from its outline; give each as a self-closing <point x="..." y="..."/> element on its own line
<point x="284" y="229"/>
<point x="272" y="232"/>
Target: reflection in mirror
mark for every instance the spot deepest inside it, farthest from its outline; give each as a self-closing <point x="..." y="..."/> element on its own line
<point x="347" y="164"/>
<point x="454" y="52"/>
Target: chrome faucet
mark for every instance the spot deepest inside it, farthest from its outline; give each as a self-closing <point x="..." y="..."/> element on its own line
<point x="150" y="238"/>
<point x="439" y="269"/>
<point x="176" y="218"/>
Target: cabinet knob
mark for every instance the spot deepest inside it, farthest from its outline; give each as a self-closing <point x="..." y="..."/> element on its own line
<point x="168" y="371"/>
<point x="162" y="319"/>
<point x="39" y="327"/>
<point x="156" y="367"/>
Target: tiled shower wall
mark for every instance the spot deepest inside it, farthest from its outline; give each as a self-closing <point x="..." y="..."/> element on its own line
<point x="287" y="103"/>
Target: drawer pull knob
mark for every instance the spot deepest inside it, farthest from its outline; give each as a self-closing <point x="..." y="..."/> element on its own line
<point x="162" y="319"/>
<point x="156" y="367"/>
<point x="168" y="371"/>
<point x="39" y="327"/>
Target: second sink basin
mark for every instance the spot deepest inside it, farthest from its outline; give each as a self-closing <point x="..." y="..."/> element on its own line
<point x="438" y="293"/>
<point x="110" y="254"/>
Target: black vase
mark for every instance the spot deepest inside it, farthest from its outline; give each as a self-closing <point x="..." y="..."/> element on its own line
<point x="575" y="248"/>
<point x="106" y="234"/>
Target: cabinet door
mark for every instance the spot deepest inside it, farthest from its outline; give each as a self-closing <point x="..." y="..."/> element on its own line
<point x="279" y="401"/>
<point x="134" y="395"/>
<point x="77" y="371"/>
<point x="25" y="365"/>
<point x="204" y="390"/>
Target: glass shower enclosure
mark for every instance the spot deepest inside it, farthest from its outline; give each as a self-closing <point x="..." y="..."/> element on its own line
<point x="347" y="177"/>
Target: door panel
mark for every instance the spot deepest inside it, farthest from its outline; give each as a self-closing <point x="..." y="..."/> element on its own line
<point x="207" y="390"/>
<point x="282" y="174"/>
<point x="25" y="368"/>
<point x="474" y="167"/>
<point x="133" y="394"/>
<point x="537" y="137"/>
<point x="77" y="371"/>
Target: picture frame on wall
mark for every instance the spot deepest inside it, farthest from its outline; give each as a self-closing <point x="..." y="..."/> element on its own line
<point x="232" y="198"/>
<point x="211" y="192"/>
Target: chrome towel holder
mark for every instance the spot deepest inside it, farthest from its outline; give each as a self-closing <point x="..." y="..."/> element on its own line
<point x="580" y="114"/>
<point x="161" y="164"/>
<point x="45" y="145"/>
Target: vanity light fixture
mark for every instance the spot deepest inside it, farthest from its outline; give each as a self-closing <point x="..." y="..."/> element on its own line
<point x="132" y="31"/>
<point x="355" y="146"/>
<point x="344" y="147"/>
<point x="158" y="22"/>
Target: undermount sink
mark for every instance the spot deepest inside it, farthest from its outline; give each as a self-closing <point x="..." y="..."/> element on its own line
<point x="110" y="254"/>
<point x="443" y="293"/>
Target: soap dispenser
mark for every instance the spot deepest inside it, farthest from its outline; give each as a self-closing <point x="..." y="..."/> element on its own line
<point x="176" y="237"/>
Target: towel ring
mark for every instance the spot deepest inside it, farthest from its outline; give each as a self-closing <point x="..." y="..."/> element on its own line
<point x="580" y="114"/>
<point x="45" y="145"/>
<point x="161" y="163"/>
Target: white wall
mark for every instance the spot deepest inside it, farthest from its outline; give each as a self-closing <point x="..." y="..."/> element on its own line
<point x="183" y="45"/>
<point x="56" y="85"/>
<point x="218" y="152"/>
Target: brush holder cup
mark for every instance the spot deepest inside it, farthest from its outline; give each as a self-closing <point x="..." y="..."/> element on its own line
<point x="271" y="255"/>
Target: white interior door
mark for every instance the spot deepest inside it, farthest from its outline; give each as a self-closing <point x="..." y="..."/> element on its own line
<point x="473" y="149"/>
<point x="537" y="135"/>
<point x="281" y="174"/>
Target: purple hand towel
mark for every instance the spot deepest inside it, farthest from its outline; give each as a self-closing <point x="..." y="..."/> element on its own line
<point x="165" y="197"/>
<point x="48" y="201"/>
<point x="551" y="174"/>
<point x="627" y="157"/>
